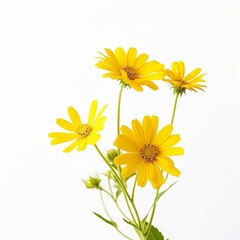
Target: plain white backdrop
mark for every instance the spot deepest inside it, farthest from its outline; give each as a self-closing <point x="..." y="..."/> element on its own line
<point x="47" y="58"/>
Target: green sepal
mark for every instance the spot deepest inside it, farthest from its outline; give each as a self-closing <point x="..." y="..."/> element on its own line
<point x="106" y="220"/>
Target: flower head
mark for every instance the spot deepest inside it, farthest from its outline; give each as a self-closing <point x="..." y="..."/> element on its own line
<point x="180" y="83"/>
<point x="81" y="133"/>
<point x="130" y="69"/>
<point x="147" y="151"/>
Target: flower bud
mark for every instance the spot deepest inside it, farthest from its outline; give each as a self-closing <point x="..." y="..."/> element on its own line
<point x="111" y="154"/>
<point x="93" y="182"/>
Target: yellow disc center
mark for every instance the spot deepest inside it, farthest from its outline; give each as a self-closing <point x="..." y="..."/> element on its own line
<point x="83" y="131"/>
<point x="130" y="73"/>
<point x="149" y="152"/>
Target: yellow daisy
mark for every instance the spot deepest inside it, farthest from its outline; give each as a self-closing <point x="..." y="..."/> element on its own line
<point x="180" y="83"/>
<point x="132" y="70"/>
<point x="147" y="151"/>
<point x="81" y="133"/>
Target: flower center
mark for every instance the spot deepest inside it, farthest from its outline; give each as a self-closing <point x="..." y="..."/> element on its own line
<point x="130" y="73"/>
<point x="181" y="82"/>
<point x="149" y="152"/>
<point x="83" y="131"/>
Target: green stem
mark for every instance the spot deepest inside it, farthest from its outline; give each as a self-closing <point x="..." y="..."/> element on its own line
<point x="174" y="108"/>
<point x="125" y="192"/>
<point x="118" y="123"/>
<point x="115" y="200"/>
<point x="119" y="109"/>
<point x="152" y="215"/>
<point x="106" y="211"/>
<point x="133" y="190"/>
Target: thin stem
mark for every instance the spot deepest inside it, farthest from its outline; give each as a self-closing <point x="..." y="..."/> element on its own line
<point x="152" y="215"/>
<point x="116" y="203"/>
<point x="133" y="190"/>
<point x="174" y="108"/>
<point x="118" y="122"/>
<point x="119" y="109"/>
<point x="109" y="186"/>
<point x="106" y="211"/>
<point x="125" y="192"/>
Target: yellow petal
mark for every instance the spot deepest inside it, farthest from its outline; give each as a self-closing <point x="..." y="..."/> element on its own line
<point x="138" y="130"/>
<point x="127" y="158"/>
<point x="92" y="112"/>
<point x="170" y="141"/>
<point x="143" y="174"/>
<point x="146" y="125"/>
<point x="66" y="125"/>
<point x="121" y="57"/>
<point x="197" y="79"/>
<point x="99" y="115"/>
<point x="71" y="146"/>
<point x="127" y="131"/>
<point x="154" y="127"/>
<point x="129" y="169"/>
<point x="192" y="74"/>
<point x="98" y="126"/>
<point x="137" y="87"/>
<point x="112" y="57"/>
<point x="150" y="67"/>
<point x="164" y="160"/>
<point x="175" y="151"/>
<point x="170" y="74"/>
<point x="75" y="118"/>
<point x="141" y="59"/>
<point x="175" y="69"/>
<point x="82" y="143"/>
<point x="163" y="134"/>
<point x="154" y="76"/>
<point x="61" y="137"/>
<point x="131" y="56"/>
<point x="150" y="85"/>
<point x="170" y="169"/>
<point x="127" y="144"/>
<point x="93" y="138"/>
<point x="157" y="179"/>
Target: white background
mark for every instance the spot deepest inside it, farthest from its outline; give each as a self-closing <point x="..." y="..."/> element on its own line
<point x="47" y="58"/>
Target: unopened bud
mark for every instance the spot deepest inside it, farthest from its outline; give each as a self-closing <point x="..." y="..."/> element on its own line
<point x="111" y="154"/>
<point x="93" y="182"/>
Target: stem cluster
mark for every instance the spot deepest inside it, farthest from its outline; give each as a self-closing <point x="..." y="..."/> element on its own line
<point x="141" y="226"/>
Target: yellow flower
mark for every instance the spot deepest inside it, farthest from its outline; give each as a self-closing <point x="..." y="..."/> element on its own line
<point x="180" y="83"/>
<point x="147" y="151"/>
<point x="132" y="70"/>
<point x="82" y="133"/>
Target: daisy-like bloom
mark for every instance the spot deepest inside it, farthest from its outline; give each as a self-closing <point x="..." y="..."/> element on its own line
<point x="176" y="77"/>
<point x="130" y="69"/>
<point x="80" y="133"/>
<point x="147" y="151"/>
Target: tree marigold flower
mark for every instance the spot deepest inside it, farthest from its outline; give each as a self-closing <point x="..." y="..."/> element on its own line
<point x="147" y="151"/>
<point x="82" y="133"/>
<point x="131" y="70"/>
<point x="180" y="83"/>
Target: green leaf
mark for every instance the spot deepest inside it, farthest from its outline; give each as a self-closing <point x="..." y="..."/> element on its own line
<point x="154" y="234"/>
<point x="161" y="193"/>
<point x="105" y="220"/>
